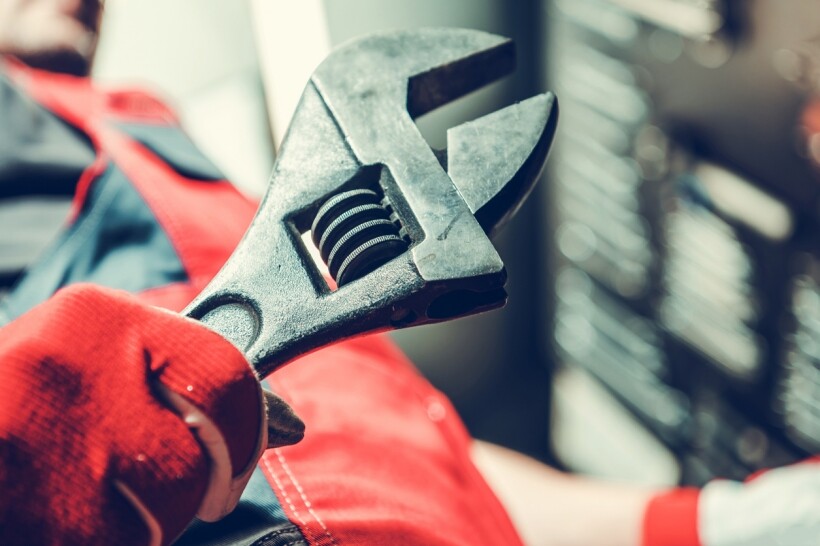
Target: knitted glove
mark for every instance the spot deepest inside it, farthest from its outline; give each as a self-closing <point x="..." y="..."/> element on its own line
<point x="120" y="422"/>
<point x="775" y="508"/>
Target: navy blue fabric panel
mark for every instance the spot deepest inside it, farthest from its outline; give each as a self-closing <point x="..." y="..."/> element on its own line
<point x="175" y="148"/>
<point x="258" y="519"/>
<point x="40" y="154"/>
<point x="115" y="242"/>
<point x="284" y="536"/>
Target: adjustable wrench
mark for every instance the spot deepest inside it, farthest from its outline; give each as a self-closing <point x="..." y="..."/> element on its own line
<point x="403" y="227"/>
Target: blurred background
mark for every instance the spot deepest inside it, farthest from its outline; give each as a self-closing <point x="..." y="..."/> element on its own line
<point x="664" y="303"/>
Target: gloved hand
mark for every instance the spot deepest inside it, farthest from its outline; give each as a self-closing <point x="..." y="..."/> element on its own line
<point x="120" y="422"/>
<point x="776" y="508"/>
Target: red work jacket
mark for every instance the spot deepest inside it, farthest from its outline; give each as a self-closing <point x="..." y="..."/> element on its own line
<point x="385" y="459"/>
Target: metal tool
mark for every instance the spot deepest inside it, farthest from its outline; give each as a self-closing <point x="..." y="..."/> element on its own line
<point x="404" y="229"/>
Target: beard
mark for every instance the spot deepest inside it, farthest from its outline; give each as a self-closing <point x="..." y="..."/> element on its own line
<point x="61" y="60"/>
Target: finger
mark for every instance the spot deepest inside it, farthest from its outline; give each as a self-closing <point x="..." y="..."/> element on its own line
<point x="119" y="523"/>
<point x="212" y="375"/>
<point x="224" y="487"/>
<point x="160" y="468"/>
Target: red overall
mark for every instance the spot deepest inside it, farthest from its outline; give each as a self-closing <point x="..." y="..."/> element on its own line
<point x="385" y="459"/>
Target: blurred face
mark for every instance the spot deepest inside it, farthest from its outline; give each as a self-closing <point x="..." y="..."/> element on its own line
<point x="56" y="35"/>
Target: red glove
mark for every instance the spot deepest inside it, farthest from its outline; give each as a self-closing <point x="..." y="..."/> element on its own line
<point x="119" y="422"/>
<point x="776" y="508"/>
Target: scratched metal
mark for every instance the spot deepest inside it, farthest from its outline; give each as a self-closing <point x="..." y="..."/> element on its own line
<point x="355" y="118"/>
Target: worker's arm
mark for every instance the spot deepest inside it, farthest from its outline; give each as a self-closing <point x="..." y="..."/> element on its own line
<point x="550" y="508"/>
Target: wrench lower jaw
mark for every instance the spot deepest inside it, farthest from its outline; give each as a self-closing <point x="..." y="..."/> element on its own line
<point x="460" y="303"/>
<point x="443" y="300"/>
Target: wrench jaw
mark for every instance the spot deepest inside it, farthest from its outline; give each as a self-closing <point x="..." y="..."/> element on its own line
<point x="495" y="160"/>
<point x="444" y="83"/>
<point x="353" y="130"/>
<point x="416" y="71"/>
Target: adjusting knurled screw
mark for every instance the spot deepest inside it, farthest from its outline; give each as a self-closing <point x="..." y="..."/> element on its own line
<point x="355" y="234"/>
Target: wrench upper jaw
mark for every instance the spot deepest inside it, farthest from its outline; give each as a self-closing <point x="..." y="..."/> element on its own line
<point x="442" y="84"/>
<point x="432" y="66"/>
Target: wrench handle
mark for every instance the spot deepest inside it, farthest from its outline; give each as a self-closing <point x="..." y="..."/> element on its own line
<point x="239" y="323"/>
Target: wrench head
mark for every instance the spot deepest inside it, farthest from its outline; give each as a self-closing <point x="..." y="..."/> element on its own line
<point x="354" y="132"/>
<point x="375" y="86"/>
<point x="494" y="161"/>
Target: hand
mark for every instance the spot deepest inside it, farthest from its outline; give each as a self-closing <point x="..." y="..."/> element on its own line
<point x="120" y="422"/>
<point x="776" y="508"/>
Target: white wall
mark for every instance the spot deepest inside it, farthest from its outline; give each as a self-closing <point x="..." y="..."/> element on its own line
<point x="200" y="55"/>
